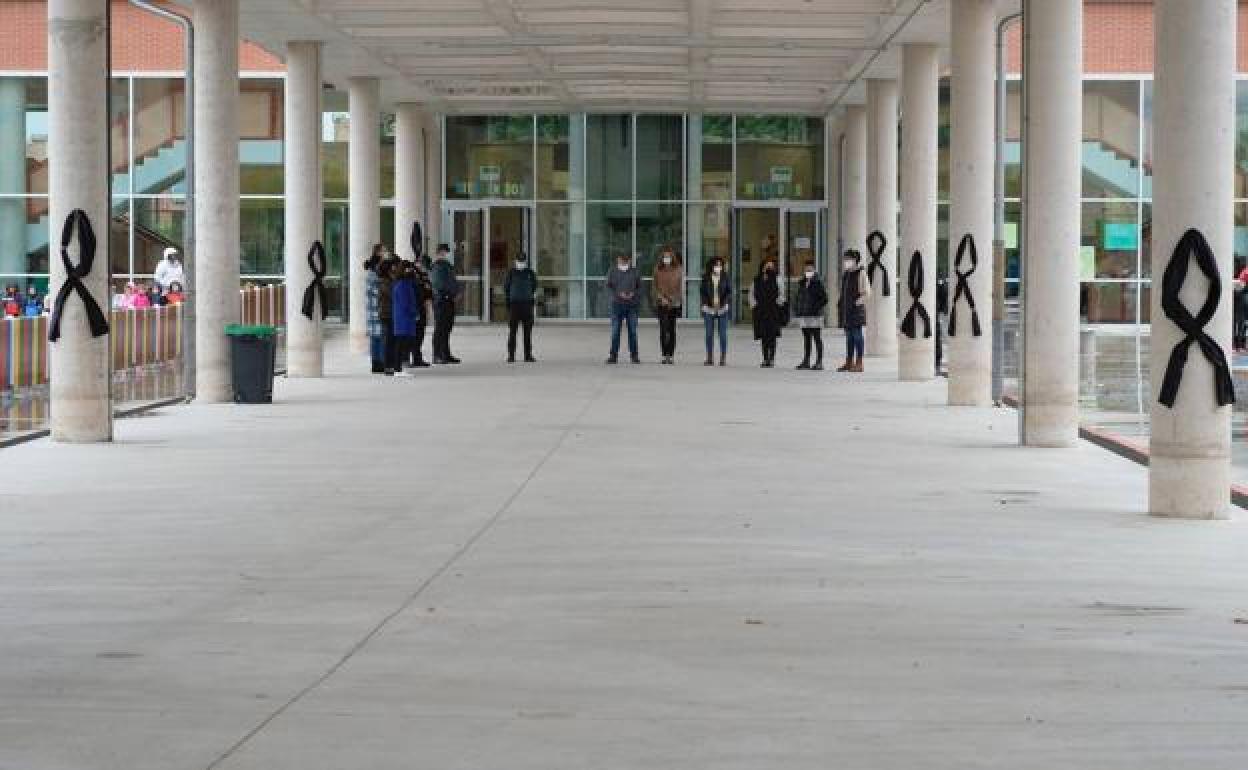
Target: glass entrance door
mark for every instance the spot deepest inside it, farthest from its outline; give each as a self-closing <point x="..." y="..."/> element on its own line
<point x="487" y="240"/>
<point x="467" y="227"/>
<point x="510" y="229"/>
<point x="756" y="238"/>
<point x="804" y="241"/>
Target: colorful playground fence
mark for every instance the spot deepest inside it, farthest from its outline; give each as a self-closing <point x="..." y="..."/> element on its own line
<point x="138" y="337"/>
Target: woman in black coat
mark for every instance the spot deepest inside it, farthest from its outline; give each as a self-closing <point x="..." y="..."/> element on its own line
<point x="767" y="298"/>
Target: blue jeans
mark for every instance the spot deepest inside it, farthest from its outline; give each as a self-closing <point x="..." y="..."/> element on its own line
<point x="619" y="314"/>
<point x="855" y="343"/>
<point x="377" y="349"/>
<point x="712" y="321"/>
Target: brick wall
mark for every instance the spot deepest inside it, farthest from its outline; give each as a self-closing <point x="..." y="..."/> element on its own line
<point x="141" y="41"/>
<point x="1118" y="38"/>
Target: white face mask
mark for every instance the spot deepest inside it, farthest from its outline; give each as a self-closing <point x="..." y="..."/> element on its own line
<point x="623" y="266"/>
<point x="810" y="273"/>
<point x="520" y="263"/>
<point x="667" y="260"/>
<point x="849" y="265"/>
<point x="717" y="270"/>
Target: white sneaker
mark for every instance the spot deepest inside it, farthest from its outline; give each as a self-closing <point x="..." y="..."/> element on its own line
<point x="403" y="374"/>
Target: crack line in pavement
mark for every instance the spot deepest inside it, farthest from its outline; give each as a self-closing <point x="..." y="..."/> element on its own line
<point x="420" y="589"/>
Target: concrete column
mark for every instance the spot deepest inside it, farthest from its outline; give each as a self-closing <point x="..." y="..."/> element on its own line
<point x="364" y="189"/>
<point x="12" y="175"/>
<point x="919" y="128"/>
<point x="882" y="98"/>
<point x="832" y="235"/>
<point x="81" y="409"/>
<point x="1194" y="154"/>
<point x="304" y="207"/>
<point x="972" y="120"/>
<point x="854" y="190"/>
<point x="216" y="195"/>
<point x="433" y="183"/>
<point x="1054" y="67"/>
<point x="409" y="174"/>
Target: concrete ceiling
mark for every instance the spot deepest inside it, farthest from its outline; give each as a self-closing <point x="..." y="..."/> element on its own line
<point x="465" y="56"/>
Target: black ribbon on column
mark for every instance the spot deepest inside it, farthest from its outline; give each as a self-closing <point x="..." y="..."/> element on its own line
<point x="876" y="244"/>
<point x="316" y="289"/>
<point x="962" y="289"/>
<point x="78" y="222"/>
<point x="914" y="282"/>
<point x="418" y="241"/>
<point x="1194" y="244"/>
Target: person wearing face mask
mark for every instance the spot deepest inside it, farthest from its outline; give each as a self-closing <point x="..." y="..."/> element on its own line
<point x="624" y="289"/>
<point x="669" y="280"/>
<point x="812" y="298"/>
<point x="716" y="309"/>
<point x="767" y="299"/>
<point x="852" y="308"/>
<point x="520" y="288"/>
<point x="446" y="290"/>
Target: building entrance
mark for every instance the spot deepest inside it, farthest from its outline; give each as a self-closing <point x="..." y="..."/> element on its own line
<point x="487" y="239"/>
<point x="789" y="234"/>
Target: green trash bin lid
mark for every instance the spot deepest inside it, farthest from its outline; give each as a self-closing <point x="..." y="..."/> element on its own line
<point x="243" y="330"/>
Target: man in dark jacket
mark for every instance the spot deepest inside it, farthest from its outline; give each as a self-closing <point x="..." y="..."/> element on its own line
<point x="624" y="289"/>
<point x="520" y="288"/>
<point x="446" y="289"/>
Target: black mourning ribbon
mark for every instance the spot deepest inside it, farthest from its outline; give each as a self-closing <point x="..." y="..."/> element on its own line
<point x="876" y="244"/>
<point x="316" y="289"/>
<point x="418" y="241"/>
<point x="963" y="289"/>
<point x="1193" y="243"/>
<point x="77" y="221"/>
<point x="914" y="282"/>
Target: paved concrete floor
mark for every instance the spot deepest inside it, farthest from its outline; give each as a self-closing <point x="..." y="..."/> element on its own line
<point x="566" y="566"/>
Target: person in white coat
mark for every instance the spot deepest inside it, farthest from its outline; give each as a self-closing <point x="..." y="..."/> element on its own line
<point x="169" y="269"/>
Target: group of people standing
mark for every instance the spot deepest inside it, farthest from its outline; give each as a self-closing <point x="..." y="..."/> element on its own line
<point x="403" y="295"/>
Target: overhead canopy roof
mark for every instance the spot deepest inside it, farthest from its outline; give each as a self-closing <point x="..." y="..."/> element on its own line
<point x="461" y="56"/>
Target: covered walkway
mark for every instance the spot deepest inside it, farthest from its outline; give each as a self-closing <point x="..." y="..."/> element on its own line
<point x="570" y="566"/>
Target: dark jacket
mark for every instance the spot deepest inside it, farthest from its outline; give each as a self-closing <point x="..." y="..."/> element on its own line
<point x="708" y="289"/>
<point x="769" y="316"/>
<point x="852" y="315"/>
<point x="405" y="301"/>
<point x="520" y="285"/>
<point x="385" y="306"/>
<point x="812" y="298"/>
<point x="445" y="284"/>
<point x="624" y="286"/>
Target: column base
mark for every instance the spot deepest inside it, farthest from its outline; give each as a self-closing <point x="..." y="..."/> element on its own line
<point x="967" y="390"/>
<point x="916" y="366"/>
<point x="87" y="421"/>
<point x="1049" y="426"/>
<point x="1189" y="487"/>
<point x="308" y="364"/>
<point x="214" y="387"/>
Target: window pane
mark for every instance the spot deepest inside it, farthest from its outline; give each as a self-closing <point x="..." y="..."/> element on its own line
<point x="658" y="225"/>
<point x="710" y="160"/>
<point x="779" y="157"/>
<point x="660" y="157"/>
<point x="1013" y="139"/>
<point x="942" y="144"/>
<point x="609" y="157"/>
<point x="387" y="157"/>
<point x="1241" y="139"/>
<point x="1111" y="139"/>
<point x="553" y="166"/>
<point x="119" y="133"/>
<point x="262" y="227"/>
<point x="118" y="237"/>
<point x="560" y="239"/>
<point x="23" y="135"/>
<point x="260" y="135"/>
<point x="1146" y="128"/>
<point x="561" y="298"/>
<point x="489" y="156"/>
<point x="1146" y="238"/>
<point x="1105" y="302"/>
<point x="609" y="233"/>
<point x="335" y="138"/>
<point x="159" y="224"/>
<point x="710" y="235"/>
<point x="1110" y="239"/>
<point x="159" y="136"/>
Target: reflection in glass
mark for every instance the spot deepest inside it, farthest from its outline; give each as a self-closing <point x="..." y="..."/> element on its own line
<point x="710" y="235"/>
<point x="560" y="239"/>
<point x="260" y="116"/>
<point x="1110" y="240"/>
<point x="489" y="156"/>
<point x="159" y="136"/>
<point x="658" y="225"/>
<point x="710" y="156"/>
<point x="609" y="157"/>
<point x="780" y="157"/>
<point x="660" y="157"/>
<point x="158" y="224"/>
<point x="1111" y="139"/>
<point x="1108" y="302"/>
<point x="553" y="156"/>
<point x="262" y="228"/>
<point x="609" y="233"/>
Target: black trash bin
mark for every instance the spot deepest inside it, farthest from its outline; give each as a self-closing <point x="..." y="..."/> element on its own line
<point x="253" y="357"/>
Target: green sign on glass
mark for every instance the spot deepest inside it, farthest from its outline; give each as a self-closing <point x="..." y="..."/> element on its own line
<point x="1120" y="236"/>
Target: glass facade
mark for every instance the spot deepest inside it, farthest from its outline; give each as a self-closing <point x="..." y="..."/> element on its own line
<point x="622" y="183"/>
